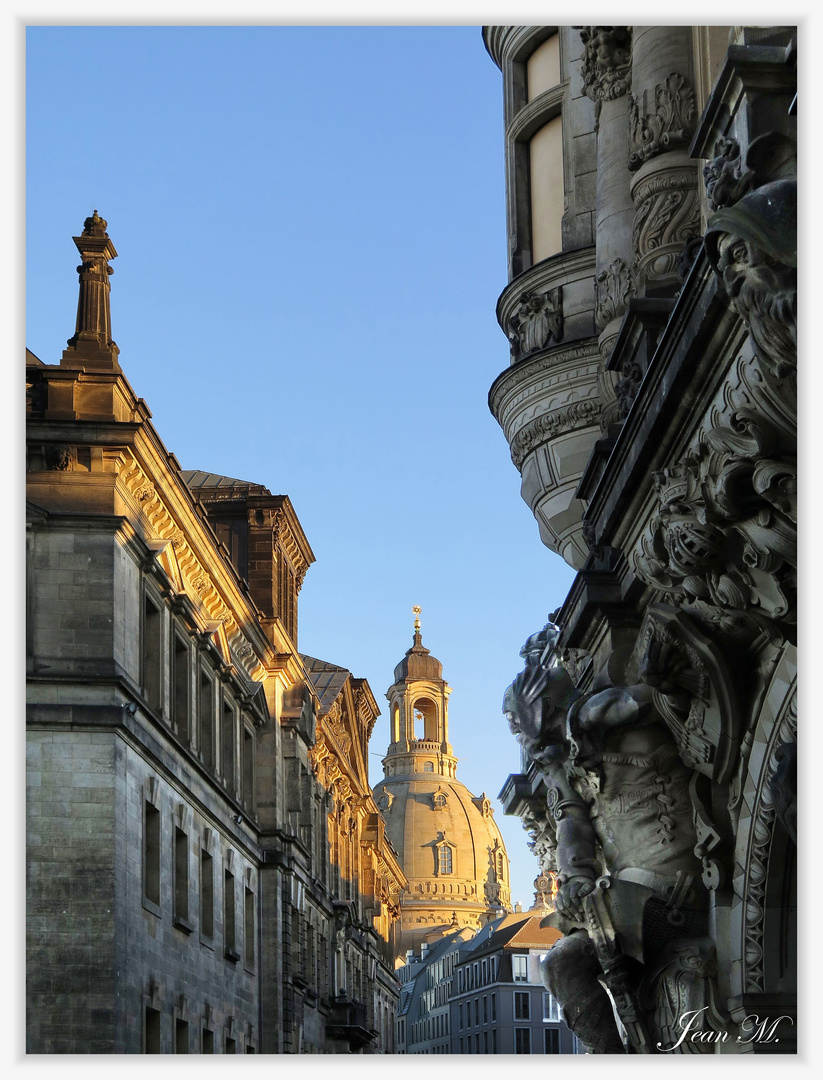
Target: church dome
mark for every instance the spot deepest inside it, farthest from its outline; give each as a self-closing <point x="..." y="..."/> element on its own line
<point x="418" y="663"/>
<point x="447" y="840"/>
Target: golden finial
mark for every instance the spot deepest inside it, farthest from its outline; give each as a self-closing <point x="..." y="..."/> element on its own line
<point x="416" y="610"/>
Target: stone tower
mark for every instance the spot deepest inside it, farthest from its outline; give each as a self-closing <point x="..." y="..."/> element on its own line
<point x="450" y="847"/>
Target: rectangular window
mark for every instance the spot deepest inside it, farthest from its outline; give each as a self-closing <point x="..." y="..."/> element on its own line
<point x="206" y="732"/>
<point x="485" y="1042"/>
<point x="551" y="1040"/>
<point x="520" y="971"/>
<point x="521" y="1006"/>
<point x="229" y="934"/>
<point x="494" y="1007"/>
<point x="208" y="1041"/>
<point x="181" y="880"/>
<point x="151" y="855"/>
<point x="551" y="1008"/>
<point x="152" y="642"/>
<point x="445" y="859"/>
<point x="248" y="928"/>
<point x="460" y="1016"/>
<point x="231" y="1045"/>
<point x="151" y="1031"/>
<point x="461" y="1044"/>
<point x="494" y="1040"/>
<point x="477" y="1012"/>
<point x="181" y="1036"/>
<point x="522" y="1041"/>
<point x="180" y="678"/>
<point x="206" y="896"/>
<point x="227" y="746"/>
<point x="477" y="1043"/>
<point x="248" y="768"/>
<point x="485" y="1010"/>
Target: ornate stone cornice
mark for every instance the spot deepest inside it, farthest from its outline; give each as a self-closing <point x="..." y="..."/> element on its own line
<point x="577" y="415"/>
<point x="514" y="377"/>
<point x="182" y="562"/>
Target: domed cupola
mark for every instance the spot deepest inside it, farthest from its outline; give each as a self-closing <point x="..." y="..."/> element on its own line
<point x="449" y="845"/>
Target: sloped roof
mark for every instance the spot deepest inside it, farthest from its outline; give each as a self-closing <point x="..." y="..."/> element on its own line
<point x="327" y="679"/>
<point x="531" y="935"/>
<point x="195" y="478"/>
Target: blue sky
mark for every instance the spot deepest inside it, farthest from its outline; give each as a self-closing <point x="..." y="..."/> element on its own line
<point x="311" y="232"/>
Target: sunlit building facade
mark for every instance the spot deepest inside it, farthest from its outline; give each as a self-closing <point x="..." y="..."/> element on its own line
<point x="207" y="871"/>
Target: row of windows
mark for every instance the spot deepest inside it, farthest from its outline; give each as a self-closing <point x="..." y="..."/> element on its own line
<point x="480" y="973"/>
<point x="487" y="1012"/>
<point x="486" y="1042"/>
<point x="185" y="1037"/>
<point x="182" y="915"/>
<point x="205" y="718"/>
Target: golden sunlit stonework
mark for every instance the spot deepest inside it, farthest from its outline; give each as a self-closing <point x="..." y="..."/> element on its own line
<point x="448" y="842"/>
<point x="207" y="868"/>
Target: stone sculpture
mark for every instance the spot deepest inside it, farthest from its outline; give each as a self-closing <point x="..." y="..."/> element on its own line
<point x="630" y="901"/>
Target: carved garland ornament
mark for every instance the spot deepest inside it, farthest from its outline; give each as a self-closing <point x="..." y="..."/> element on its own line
<point x="543" y="428"/>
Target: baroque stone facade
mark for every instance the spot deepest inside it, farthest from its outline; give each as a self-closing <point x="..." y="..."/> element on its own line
<point x="657" y="709"/>
<point x="207" y="868"/>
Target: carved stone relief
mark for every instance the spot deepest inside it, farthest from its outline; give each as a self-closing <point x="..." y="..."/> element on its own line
<point x="536" y="322"/>
<point x="662" y="124"/>
<point x="752" y="246"/>
<point x="667" y="216"/>
<point x="722" y="542"/>
<point x="607" y="60"/>
<point x="613" y="288"/>
<point x="543" y="428"/>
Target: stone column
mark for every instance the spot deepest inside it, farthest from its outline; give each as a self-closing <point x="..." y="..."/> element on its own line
<point x="607" y="73"/>
<point x="91" y="346"/>
<point x="662" y="119"/>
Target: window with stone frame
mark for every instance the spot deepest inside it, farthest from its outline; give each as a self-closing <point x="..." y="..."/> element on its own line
<point x="151" y="1031"/>
<point x="151" y="856"/>
<point x="247" y="753"/>
<point x="152" y="652"/>
<point x="228" y="743"/>
<point x="229" y="925"/>
<point x="206" y="896"/>
<point x="522" y="1009"/>
<point x="180" y="880"/>
<point x="520" y="967"/>
<point x="445" y="859"/>
<point x="180" y="688"/>
<point x="206" y="719"/>
<point x="248" y="928"/>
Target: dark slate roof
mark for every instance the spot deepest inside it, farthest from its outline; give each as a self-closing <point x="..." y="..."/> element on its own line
<point x="328" y="679"/>
<point x="195" y="478"/>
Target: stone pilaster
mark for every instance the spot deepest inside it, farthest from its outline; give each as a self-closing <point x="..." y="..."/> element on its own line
<point x="607" y="75"/>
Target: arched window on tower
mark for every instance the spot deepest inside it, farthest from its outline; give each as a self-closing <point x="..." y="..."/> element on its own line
<point x="428" y="766"/>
